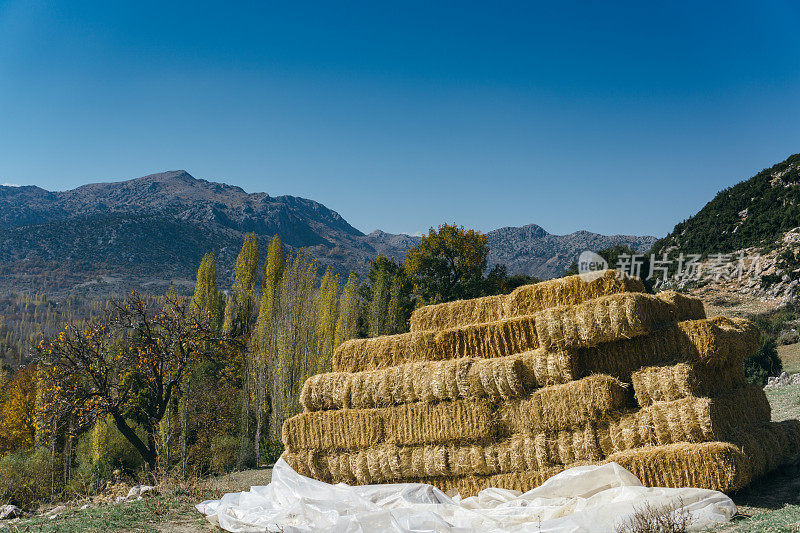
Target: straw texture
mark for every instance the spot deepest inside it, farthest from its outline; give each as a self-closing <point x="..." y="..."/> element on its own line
<point x="500" y="378"/>
<point x="598" y="321"/>
<point x="672" y="382"/>
<point x="409" y="424"/>
<point x="685" y="420"/>
<point x="565" y="406"/>
<point x="525" y="300"/>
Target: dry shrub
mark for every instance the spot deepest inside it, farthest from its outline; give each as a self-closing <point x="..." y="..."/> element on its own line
<point x="665" y="518"/>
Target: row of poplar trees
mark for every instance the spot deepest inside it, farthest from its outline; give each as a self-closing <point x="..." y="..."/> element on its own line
<point x="289" y="327"/>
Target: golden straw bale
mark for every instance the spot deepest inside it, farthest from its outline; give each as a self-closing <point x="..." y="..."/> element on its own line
<point x="543" y="367"/>
<point x="408" y="424"/>
<point x="768" y="445"/>
<point x="492" y="339"/>
<point x="525" y="300"/>
<point x="604" y="319"/>
<point x="685" y="420"/>
<point x="565" y="406"/>
<point x="500" y="378"/>
<point x="356" y="355"/>
<point x="570" y="290"/>
<point x="689" y="307"/>
<point x="392" y="463"/>
<point x="458" y="313"/>
<point x="471" y="485"/>
<point x="709" y="465"/>
<point x="671" y="382"/>
<point x="714" y="342"/>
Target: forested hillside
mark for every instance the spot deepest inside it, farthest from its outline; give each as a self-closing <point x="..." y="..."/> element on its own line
<point x="751" y="213"/>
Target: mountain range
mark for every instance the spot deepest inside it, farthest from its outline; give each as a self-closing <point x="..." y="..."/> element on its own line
<point x="151" y="232"/>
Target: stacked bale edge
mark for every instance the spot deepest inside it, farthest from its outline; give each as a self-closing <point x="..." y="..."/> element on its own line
<point x="525" y="300"/>
<point x="507" y="391"/>
<point x="591" y="323"/>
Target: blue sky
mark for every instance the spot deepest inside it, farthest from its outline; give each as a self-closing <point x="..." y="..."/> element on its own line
<point x="616" y="117"/>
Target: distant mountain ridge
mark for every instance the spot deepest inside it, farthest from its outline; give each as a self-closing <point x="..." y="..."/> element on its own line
<point x="152" y="231"/>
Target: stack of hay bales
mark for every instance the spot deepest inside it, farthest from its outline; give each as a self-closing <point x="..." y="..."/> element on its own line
<point x="506" y="391"/>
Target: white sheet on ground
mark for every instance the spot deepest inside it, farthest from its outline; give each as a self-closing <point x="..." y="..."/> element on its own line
<point x="585" y="498"/>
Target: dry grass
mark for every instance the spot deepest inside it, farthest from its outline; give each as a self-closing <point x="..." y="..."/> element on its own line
<point x="672" y="382"/>
<point x="667" y="518"/>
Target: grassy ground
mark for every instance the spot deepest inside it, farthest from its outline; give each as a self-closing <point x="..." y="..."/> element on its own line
<point x="771" y="505"/>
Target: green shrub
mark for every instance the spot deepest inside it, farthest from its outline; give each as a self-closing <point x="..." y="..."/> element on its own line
<point x="270" y="451"/>
<point x="99" y="453"/>
<point x="224" y="453"/>
<point x="764" y="363"/>
<point x="25" y="477"/>
<point x="247" y="456"/>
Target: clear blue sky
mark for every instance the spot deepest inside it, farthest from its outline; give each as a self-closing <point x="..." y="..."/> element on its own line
<point x="617" y="117"/>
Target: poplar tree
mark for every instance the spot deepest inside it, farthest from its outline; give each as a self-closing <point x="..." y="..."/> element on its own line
<point x="207" y="298"/>
<point x="262" y="340"/>
<point x="349" y="309"/>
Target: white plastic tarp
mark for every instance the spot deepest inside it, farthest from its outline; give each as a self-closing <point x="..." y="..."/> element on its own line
<point x="585" y="498"/>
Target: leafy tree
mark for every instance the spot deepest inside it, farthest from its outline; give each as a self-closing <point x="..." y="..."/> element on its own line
<point x="129" y="365"/>
<point x="207" y="298"/>
<point x="240" y="306"/>
<point x="17" y="410"/>
<point x="448" y="264"/>
<point x="387" y="299"/>
<point x="498" y="281"/>
<point x="262" y="340"/>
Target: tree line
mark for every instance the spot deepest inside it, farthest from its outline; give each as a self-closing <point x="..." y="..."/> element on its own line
<point x="203" y="384"/>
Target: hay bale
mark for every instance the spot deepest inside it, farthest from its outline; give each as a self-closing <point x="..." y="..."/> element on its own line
<point x="409" y="424"/>
<point x="768" y="445"/>
<point x="458" y="313"/>
<point x="688" y="307"/>
<point x="685" y="420"/>
<point x="602" y="320"/>
<point x="566" y="406"/>
<point x="525" y="300"/>
<point x="467" y="377"/>
<point x="710" y="465"/>
<point x="672" y="382"/>
<point x="543" y="367"/>
<point x="714" y="342"/>
<point x="390" y="463"/>
<point x="570" y="290"/>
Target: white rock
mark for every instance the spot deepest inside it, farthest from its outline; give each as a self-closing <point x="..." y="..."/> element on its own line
<point x="8" y="512"/>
